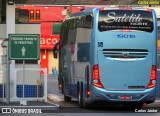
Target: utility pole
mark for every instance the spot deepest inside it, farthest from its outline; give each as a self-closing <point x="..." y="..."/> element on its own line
<point x="149" y="3"/>
<point x="70" y="11"/>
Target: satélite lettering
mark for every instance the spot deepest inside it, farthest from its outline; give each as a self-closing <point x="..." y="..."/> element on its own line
<point x="133" y="18"/>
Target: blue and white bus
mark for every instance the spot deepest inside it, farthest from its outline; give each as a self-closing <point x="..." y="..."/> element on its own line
<point x="109" y="54"/>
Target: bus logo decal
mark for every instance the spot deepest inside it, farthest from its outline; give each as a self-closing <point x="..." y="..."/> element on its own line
<point x="100" y="44"/>
<point x="125" y="54"/>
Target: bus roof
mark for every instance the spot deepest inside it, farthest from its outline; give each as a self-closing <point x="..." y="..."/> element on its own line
<point x="90" y="10"/>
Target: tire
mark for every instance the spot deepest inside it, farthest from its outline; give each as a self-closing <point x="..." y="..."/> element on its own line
<point x="137" y="106"/>
<point x="80" y="97"/>
<point x="62" y="89"/>
<point x="67" y="98"/>
<point x="133" y="106"/>
<point x="81" y="101"/>
<point x="86" y="105"/>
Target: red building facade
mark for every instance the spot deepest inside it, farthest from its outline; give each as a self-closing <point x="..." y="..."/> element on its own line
<point x="47" y="16"/>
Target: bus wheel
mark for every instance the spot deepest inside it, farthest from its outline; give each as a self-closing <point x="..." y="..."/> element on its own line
<point x="85" y="104"/>
<point x="137" y="106"/>
<point x="80" y="98"/>
<point x="133" y="106"/>
<point x="67" y="98"/>
<point x="62" y="88"/>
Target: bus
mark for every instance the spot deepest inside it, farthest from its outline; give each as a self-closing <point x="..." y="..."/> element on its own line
<point x="108" y="55"/>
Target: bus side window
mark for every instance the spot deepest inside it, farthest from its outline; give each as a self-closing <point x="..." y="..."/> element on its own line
<point x="88" y="21"/>
<point x="80" y="22"/>
<point x="64" y="34"/>
<point x="85" y="22"/>
<point x="83" y="52"/>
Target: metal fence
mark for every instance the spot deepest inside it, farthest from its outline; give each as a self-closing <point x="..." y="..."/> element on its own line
<point x="30" y="89"/>
<point x="2" y="85"/>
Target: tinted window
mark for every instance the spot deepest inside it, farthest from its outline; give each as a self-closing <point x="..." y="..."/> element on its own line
<point x="88" y="21"/>
<point x="85" y="22"/>
<point x="122" y="19"/>
<point x="83" y="52"/>
<point x="64" y="34"/>
<point x="80" y="22"/>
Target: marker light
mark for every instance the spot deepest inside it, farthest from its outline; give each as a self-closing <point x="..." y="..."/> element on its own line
<point x="101" y="9"/>
<point x="152" y="82"/>
<point x="125" y="30"/>
<point x="96" y="77"/>
<point x="149" y="10"/>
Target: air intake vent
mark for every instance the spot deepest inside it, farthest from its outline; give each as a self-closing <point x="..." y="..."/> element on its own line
<point x="136" y="87"/>
<point x="125" y="53"/>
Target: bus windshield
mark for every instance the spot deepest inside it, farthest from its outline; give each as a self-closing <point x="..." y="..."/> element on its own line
<point x="139" y="20"/>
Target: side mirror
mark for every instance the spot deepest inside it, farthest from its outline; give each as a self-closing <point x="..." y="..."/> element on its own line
<point x="55" y="49"/>
<point x="55" y="54"/>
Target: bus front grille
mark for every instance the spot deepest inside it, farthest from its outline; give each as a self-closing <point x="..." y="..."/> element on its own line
<point x="125" y="53"/>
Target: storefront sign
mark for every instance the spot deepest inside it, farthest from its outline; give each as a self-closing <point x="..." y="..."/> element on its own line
<point x="48" y="42"/>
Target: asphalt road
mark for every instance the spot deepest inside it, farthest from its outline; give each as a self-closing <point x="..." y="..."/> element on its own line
<point x="72" y="107"/>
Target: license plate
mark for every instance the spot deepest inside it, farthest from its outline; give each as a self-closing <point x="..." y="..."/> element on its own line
<point x="124" y="97"/>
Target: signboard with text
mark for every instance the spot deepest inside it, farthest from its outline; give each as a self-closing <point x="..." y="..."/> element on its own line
<point x="48" y="41"/>
<point x="24" y="47"/>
